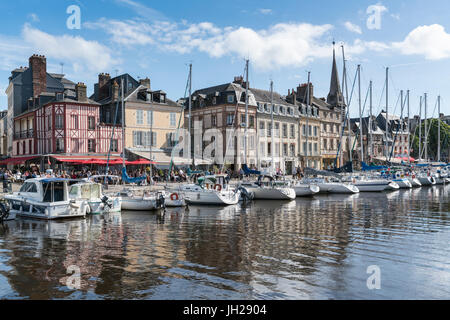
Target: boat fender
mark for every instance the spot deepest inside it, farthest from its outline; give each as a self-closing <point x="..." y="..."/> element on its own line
<point x="218" y="187"/>
<point x="174" y="197"/>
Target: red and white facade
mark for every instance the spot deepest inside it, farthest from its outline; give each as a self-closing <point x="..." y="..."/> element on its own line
<point x="66" y="128"/>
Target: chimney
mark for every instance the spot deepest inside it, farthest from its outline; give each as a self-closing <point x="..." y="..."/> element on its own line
<point x="302" y="92"/>
<point x="239" y="80"/>
<point x="115" y="91"/>
<point x="145" y="82"/>
<point x="103" y="87"/>
<point x="38" y="66"/>
<point x="80" y="89"/>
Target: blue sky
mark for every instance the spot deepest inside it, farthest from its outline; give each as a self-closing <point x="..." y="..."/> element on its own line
<point x="283" y="39"/>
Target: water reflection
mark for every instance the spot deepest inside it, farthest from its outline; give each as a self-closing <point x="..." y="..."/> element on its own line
<point x="317" y="247"/>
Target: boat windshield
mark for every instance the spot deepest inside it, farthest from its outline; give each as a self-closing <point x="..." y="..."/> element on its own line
<point x="29" y="187"/>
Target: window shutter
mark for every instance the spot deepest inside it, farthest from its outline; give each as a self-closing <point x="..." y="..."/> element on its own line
<point x="154" y="139"/>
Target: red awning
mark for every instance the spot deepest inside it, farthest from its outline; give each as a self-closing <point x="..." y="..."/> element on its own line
<point x="101" y="160"/>
<point x="139" y="162"/>
<point x="17" y="160"/>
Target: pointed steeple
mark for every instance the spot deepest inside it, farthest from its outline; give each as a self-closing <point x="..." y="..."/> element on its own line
<point x="335" y="97"/>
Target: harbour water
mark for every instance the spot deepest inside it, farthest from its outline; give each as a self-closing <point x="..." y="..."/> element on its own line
<point x="313" y="248"/>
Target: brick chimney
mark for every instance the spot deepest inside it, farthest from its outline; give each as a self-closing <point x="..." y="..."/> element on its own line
<point x="145" y="82"/>
<point x="103" y="87"/>
<point x="239" y="80"/>
<point x="115" y="91"/>
<point x="302" y="92"/>
<point x="38" y="66"/>
<point x="80" y="89"/>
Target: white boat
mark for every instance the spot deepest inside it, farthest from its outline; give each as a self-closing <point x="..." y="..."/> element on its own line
<point x="403" y="183"/>
<point x="174" y="199"/>
<point x="304" y="190"/>
<point x="132" y="201"/>
<point x="426" y="180"/>
<point x="98" y="202"/>
<point x="46" y="198"/>
<point x="327" y="186"/>
<point x="268" y="189"/>
<point x="414" y="182"/>
<point x="392" y="186"/>
<point x="378" y="185"/>
<point x="210" y="190"/>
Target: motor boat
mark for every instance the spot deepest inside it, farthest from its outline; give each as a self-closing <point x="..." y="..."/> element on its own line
<point x="211" y="190"/>
<point x="98" y="202"/>
<point x="414" y="181"/>
<point x="132" y="200"/>
<point x="267" y="188"/>
<point x="328" y="186"/>
<point x="46" y="198"/>
<point x="304" y="190"/>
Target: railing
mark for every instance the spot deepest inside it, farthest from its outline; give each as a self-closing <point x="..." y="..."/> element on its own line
<point x="24" y="134"/>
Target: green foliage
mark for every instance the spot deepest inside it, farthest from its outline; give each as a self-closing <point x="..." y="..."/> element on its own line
<point x="433" y="140"/>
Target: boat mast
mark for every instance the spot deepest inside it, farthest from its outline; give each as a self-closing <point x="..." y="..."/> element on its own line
<point x="439" y="130"/>
<point x="420" y="129"/>
<point x="387" y="115"/>
<point x="151" y="137"/>
<point x="408" y="128"/>
<point x="370" y="148"/>
<point x="360" y="114"/>
<point x="308" y="102"/>
<point x="190" y="108"/>
<point x="123" y="126"/>
<point x="272" y="149"/>
<point x="246" y="111"/>
<point x="402" y="104"/>
<point x="426" y="131"/>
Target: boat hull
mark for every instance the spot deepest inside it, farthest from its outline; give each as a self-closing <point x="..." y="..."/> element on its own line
<point x="372" y="186"/>
<point x="403" y="183"/>
<point x="414" y="182"/>
<point x="139" y="204"/>
<point x="306" y="190"/>
<point x="337" y="188"/>
<point x="427" y="181"/>
<point x="272" y="193"/>
<point x="211" y="197"/>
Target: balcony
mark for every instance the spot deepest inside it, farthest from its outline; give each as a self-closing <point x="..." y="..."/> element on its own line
<point x="26" y="134"/>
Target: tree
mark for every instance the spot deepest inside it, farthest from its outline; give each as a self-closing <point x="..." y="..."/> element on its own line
<point x="433" y="140"/>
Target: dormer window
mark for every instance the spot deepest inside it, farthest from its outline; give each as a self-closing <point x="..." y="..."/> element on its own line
<point x="214" y="100"/>
<point x="230" y="98"/>
<point x="163" y="98"/>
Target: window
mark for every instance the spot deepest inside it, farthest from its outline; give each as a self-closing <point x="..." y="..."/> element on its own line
<point x="28" y="187"/>
<point x="75" y="121"/>
<point x="315" y="131"/>
<point x="285" y="149"/>
<point x="285" y="133"/>
<point x="149" y="117"/>
<point x="214" y="120"/>
<point x="91" y="145"/>
<point x="242" y="143"/>
<point x="138" y="139"/>
<point x="139" y="117"/>
<point x="60" y="145"/>
<point x="171" y="140"/>
<point x="114" y="145"/>
<point x="230" y="119"/>
<point x="325" y="143"/>
<point x="304" y="130"/>
<point x="91" y="123"/>
<point x="214" y="100"/>
<point x="269" y="148"/>
<point x="315" y="148"/>
<point x="230" y="98"/>
<point x="310" y="130"/>
<point x="277" y="129"/>
<point x="292" y="131"/>
<point x="251" y="121"/>
<point x="277" y="149"/>
<point x="154" y="138"/>
<point x="59" y="121"/>
<point x="108" y="116"/>
<point x="292" y="150"/>
<point x="304" y="148"/>
<point x="252" y="142"/>
<point x="50" y="122"/>
<point x="262" y="132"/>
<point x="262" y="149"/>
<point x="243" y="119"/>
<point x="310" y="148"/>
<point x="269" y="129"/>
<point x="173" y="119"/>
<point x="75" y="145"/>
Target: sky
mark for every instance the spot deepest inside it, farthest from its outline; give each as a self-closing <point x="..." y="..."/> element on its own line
<point x="284" y="40"/>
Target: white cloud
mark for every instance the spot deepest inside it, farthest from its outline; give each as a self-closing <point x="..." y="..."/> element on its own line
<point x="432" y="41"/>
<point x="143" y="11"/>
<point x="265" y="11"/>
<point x="84" y="55"/>
<point x="352" y="27"/>
<point x="34" y="17"/>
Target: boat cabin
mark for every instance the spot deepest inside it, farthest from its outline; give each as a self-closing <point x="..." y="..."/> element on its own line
<point x="45" y="190"/>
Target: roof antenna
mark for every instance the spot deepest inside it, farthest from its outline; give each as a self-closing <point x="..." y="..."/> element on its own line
<point x="62" y="67"/>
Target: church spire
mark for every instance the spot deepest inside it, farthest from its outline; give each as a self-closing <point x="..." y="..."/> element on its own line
<point x="335" y="97"/>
